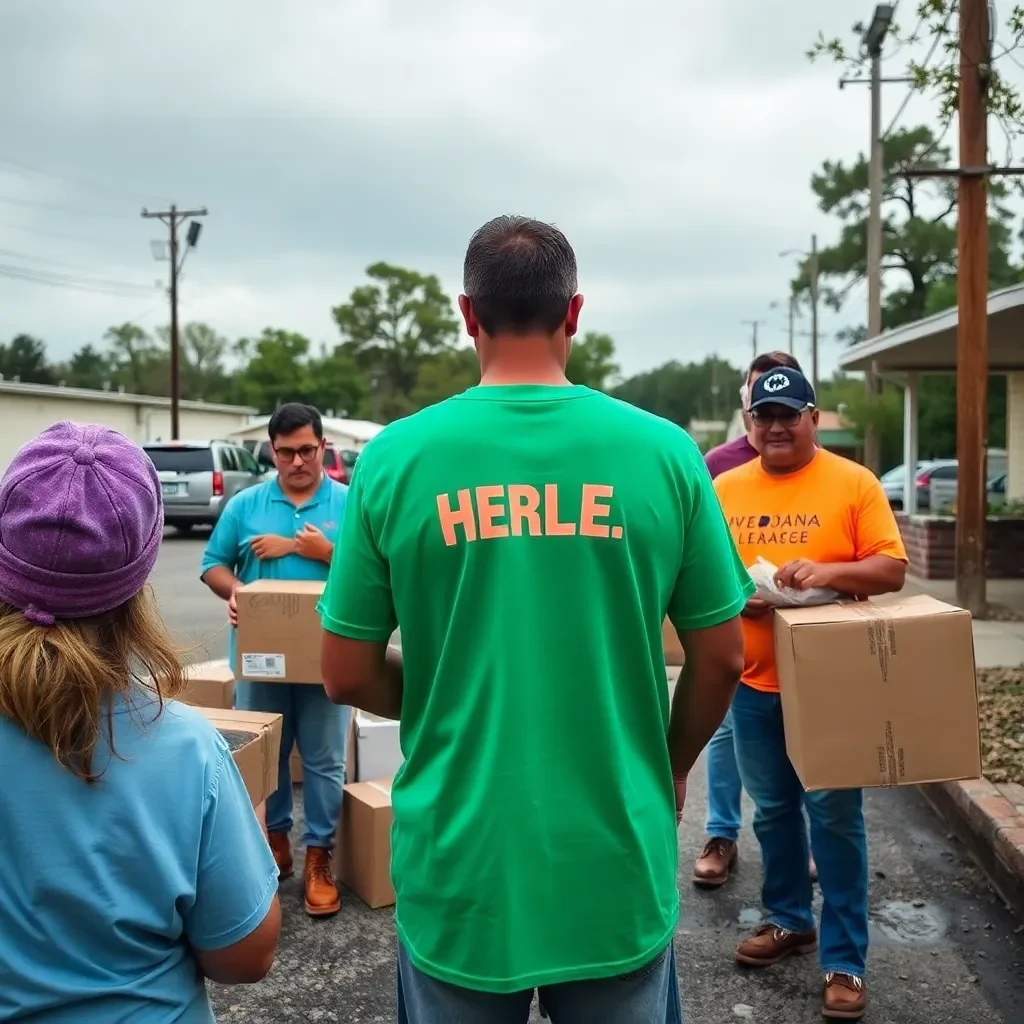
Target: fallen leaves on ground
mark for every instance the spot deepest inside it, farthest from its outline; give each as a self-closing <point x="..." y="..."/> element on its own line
<point x="1001" y="707"/>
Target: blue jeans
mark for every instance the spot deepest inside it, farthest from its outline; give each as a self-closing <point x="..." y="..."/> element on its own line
<point x="837" y="834"/>
<point x="647" y="996"/>
<point x="725" y="789"/>
<point x="320" y="728"/>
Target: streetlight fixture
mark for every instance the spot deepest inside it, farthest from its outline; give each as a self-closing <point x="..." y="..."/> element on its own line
<point x="874" y="35"/>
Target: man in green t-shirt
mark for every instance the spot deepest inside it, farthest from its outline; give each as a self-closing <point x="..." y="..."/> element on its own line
<point x="530" y="537"/>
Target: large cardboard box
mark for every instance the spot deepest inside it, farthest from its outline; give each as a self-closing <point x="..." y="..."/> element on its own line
<point x="879" y="693"/>
<point x="378" y="754"/>
<point x="255" y="741"/>
<point x="210" y="684"/>
<point x="362" y="848"/>
<point x="670" y="641"/>
<point x="279" y="635"/>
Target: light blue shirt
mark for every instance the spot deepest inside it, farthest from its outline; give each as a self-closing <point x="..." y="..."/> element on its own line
<point x="265" y="509"/>
<point x="104" y="886"/>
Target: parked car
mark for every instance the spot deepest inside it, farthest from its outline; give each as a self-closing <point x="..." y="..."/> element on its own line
<point x="944" y="492"/>
<point x="198" y="478"/>
<point x="893" y="481"/>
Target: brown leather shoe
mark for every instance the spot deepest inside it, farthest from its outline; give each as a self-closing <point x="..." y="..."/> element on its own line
<point x="322" y="897"/>
<point x="715" y="863"/>
<point x="844" y="997"/>
<point x="281" y="848"/>
<point x="814" y="871"/>
<point x="770" y="945"/>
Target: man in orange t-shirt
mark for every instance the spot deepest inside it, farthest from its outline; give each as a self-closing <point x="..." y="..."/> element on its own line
<point x="825" y="522"/>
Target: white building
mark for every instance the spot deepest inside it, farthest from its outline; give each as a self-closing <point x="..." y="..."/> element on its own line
<point x="351" y="434"/>
<point x="27" y="409"/>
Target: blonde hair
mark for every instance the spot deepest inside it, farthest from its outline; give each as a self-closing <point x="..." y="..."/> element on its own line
<point x="56" y="681"/>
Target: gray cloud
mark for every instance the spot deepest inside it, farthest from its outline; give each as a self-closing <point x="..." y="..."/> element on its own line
<point x="673" y="143"/>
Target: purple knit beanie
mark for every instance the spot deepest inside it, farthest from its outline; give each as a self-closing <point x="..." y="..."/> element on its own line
<point x="81" y="519"/>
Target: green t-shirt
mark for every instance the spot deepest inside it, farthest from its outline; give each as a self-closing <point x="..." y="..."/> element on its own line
<point x="530" y="541"/>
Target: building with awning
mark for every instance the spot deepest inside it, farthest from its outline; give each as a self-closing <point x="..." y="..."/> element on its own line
<point x="905" y="354"/>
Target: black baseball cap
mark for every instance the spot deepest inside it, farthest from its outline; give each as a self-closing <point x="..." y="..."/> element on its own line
<point x="782" y="386"/>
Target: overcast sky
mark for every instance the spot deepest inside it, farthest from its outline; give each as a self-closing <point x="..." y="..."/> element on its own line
<point x="673" y="142"/>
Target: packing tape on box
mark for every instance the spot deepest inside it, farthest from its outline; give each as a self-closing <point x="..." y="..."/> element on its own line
<point x="382" y="788"/>
<point x="882" y="646"/>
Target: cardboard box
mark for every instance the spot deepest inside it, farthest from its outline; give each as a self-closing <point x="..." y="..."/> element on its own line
<point x="670" y="641"/>
<point x="362" y="848"/>
<point x="255" y="741"/>
<point x="879" y="693"/>
<point x="211" y="684"/>
<point x="378" y="754"/>
<point x="279" y="634"/>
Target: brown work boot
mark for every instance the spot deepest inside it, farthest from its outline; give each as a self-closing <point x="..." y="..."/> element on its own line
<point x="771" y="945"/>
<point x="715" y="863"/>
<point x="844" y="997"/>
<point x="814" y="870"/>
<point x="281" y="848"/>
<point x="322" y="897"/>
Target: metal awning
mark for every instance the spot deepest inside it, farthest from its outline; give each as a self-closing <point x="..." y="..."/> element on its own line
<point x="929" y="345"/>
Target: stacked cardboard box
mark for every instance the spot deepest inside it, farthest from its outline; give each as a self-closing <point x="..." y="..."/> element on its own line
<point x="279" y="634"/>
<point x="362" y="848"/>
<point x="879" y="693"/>
<point x="255" y="739"/>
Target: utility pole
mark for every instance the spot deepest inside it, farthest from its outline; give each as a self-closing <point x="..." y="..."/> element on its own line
<point x="874" y="38"/>
<point x="792" y="318"/>
<point x="173" y="218"/>
<point x="813" y="271"/>
<point x="753" y="325"/>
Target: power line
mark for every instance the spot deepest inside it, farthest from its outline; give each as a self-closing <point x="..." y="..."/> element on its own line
<point x="31" y="229"/>
<point x="74" y="180"/>
<point x="927" y="60"/>
<point x="72" y="282"/>
<point x="41" y="204"/>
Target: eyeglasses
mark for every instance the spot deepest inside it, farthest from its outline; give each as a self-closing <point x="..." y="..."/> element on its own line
<point x="307" y="453"/>
<point x="783" y="416"/>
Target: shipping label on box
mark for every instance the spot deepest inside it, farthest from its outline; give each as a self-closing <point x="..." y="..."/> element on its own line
<point x="278" y="637"/>
<point x="362" y="848"/>
<point x="878" y="693"/>
<point x="210" y="684"/>
<point x="255" y="741"/>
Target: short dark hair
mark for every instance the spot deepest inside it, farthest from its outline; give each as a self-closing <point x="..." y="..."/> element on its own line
<point x="772" y="361"/>
<point x="294" y="416"/>
<point x="520" y="275"/>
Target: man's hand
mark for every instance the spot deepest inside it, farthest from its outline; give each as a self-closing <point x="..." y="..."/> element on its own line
<point x="680" y="787"/>
<point x="312" y="544"/>
<point x="233" y="606"/>
<point x="271" y="545"/>
<point x="803" y="574"/>
<point x="756" y="608"/>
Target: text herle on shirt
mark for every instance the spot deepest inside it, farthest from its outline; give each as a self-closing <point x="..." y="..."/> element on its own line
<point x="494" y="511"/>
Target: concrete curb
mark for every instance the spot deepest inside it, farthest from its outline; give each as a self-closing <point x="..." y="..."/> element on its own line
<point x="989" y="820"/>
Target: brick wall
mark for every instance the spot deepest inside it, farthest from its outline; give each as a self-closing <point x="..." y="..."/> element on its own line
<point x="931" y="540"/>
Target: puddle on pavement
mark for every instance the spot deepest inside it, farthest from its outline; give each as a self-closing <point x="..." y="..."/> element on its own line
<point x="909" y="924"/>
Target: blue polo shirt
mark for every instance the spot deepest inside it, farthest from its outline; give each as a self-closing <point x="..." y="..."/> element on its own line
<point x="265" y="509"/>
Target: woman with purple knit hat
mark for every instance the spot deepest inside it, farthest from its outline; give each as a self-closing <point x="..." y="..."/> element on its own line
<point x="132" y="865"/>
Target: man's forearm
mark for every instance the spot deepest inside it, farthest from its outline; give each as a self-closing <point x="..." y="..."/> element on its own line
<point x="382" y="696"/>
<point x="873" y="576"/>
<point x="699" y="706"/>
<point x="221" y="580"/>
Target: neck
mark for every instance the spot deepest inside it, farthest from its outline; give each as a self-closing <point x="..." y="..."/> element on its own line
<point x="787" y="470"/>
<point x="527" y="359"/>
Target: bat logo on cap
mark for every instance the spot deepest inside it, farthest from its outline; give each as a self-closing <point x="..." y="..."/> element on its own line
<point x="776" y="382"/>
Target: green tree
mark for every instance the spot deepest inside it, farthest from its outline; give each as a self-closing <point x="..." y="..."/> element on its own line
<point x="592" y="361"/>
<point x="138" y="363"/>
<point x="392" y="324"/>
<point x="24" y="358"/>
<point x="336" y="384"/>
<point x="276" y="370"/>
<point x="684" y="392"/>
<point x="445" y="374"/>
<point x="88" y="367"/>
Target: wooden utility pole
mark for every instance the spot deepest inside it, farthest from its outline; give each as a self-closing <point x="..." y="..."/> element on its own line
<point x="173" y="219"/>
<point x="972" y="299"/>
<point x="753" y="325"/>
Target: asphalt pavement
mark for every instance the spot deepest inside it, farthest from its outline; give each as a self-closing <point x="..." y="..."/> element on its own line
<point x="944" y="948"/>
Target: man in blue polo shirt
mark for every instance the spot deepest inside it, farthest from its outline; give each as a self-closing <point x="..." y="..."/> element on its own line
<point x="285" y="529"/>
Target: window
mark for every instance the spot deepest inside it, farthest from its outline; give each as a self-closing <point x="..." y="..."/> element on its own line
<point x="180" y="458"/>
<point x="228" y="458"/>
<point x="246" y="463"/>
<point x="944" y="473"/>
<point x="330" y="458"/>
<point x="263" y="456"/>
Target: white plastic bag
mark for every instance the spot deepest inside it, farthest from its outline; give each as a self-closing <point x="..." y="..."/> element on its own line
<point x="762" y="572"/>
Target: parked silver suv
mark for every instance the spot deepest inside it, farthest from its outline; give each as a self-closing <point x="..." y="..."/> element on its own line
<point x="199" y="477"/>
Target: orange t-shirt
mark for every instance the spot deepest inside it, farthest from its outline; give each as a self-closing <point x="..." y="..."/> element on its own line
<point x="832" y="510"/>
